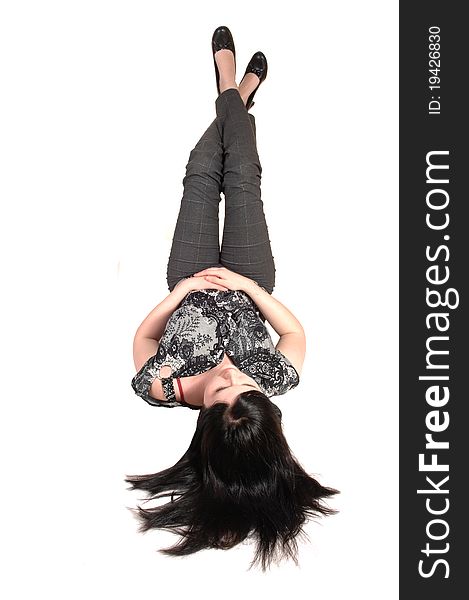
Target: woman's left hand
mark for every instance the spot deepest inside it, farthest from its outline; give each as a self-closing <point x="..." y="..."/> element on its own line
<point x="194" y="283"/>
<point x="226" y="278"/>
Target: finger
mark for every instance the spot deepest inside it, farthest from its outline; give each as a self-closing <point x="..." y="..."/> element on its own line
<point x="220" y="285"/>
<point x="217" y="286"/>
<point x="208" y="270"/>
<point x="213" y="278"/>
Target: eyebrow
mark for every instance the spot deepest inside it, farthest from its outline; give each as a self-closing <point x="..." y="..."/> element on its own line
<point x="227" y="386"/>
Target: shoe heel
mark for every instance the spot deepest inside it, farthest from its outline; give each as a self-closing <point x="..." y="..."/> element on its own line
<point x="217" y="75"/>
<point x="250" y="103"/>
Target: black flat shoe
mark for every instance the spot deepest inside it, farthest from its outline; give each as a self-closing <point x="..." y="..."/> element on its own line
<point x="222" y="39"/>
<point x="258" y="66"/>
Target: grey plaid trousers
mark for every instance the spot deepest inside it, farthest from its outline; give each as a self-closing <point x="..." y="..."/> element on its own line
<point x="225" y="159"/>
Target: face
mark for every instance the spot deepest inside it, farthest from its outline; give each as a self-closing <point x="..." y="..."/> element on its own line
<point x="226" y="384"/>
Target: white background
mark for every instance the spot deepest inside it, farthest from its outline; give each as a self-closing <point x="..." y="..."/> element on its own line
<point x="101" y="103"/>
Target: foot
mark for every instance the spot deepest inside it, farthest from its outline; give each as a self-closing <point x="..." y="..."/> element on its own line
<point x="248" y="84"/>
<point x="226" y="67"/>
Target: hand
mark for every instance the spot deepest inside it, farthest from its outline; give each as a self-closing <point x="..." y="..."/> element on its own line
<point x="196" y="283"/>
<point x="225" y="277"/>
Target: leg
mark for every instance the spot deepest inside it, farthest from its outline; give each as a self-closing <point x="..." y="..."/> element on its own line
<point x="246" y="245"/>
<point x="195" y="243"/>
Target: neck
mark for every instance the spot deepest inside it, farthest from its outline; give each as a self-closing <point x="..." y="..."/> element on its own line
<point x="193" y="387"/>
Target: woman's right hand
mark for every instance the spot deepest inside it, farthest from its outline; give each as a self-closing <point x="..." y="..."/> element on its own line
<point x="225" y="277"/>
<point x="198" y="283"/>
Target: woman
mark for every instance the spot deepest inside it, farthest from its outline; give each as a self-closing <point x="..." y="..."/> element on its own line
<point x="238" y="477"/>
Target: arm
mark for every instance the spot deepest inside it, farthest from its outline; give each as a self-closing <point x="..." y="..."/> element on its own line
<point x="282" y="320"/>
<point x="292" y="342"/>
<point x="151" y="329"/>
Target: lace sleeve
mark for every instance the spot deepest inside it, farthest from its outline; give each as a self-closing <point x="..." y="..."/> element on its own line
<point x="287" y="376"/>
<point x="141" y="384"/>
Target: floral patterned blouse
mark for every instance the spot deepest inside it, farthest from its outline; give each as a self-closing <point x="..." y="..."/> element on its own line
<point x="207" y="324"/>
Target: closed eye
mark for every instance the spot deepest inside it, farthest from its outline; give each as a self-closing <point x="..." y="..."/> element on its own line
<point x="227" y="386"/>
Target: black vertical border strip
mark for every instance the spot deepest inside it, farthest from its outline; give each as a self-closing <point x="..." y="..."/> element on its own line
<point x="419" y="134"/>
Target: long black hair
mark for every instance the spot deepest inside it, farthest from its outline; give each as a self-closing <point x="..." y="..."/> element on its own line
<point x="238" y="479"/>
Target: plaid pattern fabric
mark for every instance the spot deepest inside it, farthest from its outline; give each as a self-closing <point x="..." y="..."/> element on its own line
<point x="225" y="159"/>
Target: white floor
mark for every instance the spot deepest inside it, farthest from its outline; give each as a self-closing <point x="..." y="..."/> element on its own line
<point x="103" y="102"/>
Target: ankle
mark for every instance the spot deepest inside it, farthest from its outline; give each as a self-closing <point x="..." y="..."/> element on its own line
<point x="227" y="85"/>
<point x="244" y="98"/>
